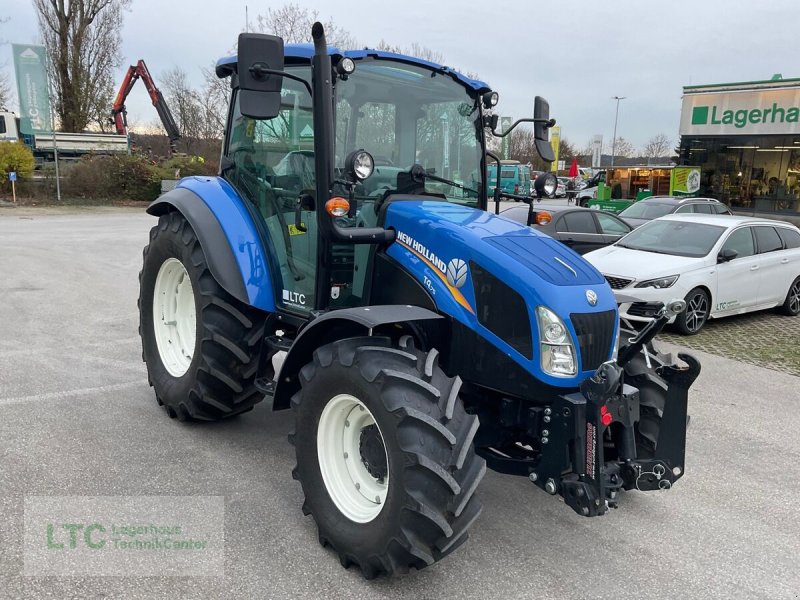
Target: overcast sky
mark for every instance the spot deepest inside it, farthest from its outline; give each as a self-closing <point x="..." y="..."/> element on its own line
<point x="577" y="53"/>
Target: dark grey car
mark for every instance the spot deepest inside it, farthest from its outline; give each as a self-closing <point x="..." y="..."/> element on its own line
<point x="581" y="229"/>
<point x="654" y="207"/>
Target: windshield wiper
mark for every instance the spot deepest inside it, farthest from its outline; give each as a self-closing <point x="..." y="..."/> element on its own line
<point x="419" y="174"/>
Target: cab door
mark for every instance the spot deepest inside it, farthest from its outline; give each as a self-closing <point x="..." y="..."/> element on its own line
<point x="270" y="162"/>
<point x="738" y="280"/>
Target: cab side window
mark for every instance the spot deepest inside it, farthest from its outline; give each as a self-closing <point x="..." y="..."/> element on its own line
<point x="741" y="241"/>
<point x="768" y="240"/>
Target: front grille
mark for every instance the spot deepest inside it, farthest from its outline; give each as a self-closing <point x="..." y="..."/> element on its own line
<point x="644" y="309"/>
<point x="595" y="336"/>
<point x="617" y="283"/>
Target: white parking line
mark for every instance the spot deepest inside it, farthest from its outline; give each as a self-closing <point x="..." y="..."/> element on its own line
<point x="72" y="393"/>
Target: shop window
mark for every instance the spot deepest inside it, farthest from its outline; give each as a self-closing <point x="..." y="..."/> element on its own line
<point x="767" y="239"/>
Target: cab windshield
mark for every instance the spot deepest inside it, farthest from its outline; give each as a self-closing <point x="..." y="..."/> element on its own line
<point x="405" y="115"/>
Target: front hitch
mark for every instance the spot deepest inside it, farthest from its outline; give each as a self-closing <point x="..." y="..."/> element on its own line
<point x="609" y="410"/>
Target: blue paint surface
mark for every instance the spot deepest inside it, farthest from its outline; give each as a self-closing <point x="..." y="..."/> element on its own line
<point x="242" y="234"/>
<point x="517" y="255"/>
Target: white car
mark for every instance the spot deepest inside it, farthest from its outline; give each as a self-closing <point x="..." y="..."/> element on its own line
<point x="721" y="265"/>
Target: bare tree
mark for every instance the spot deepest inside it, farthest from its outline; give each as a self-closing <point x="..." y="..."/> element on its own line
<point x="657" y="146"/>
<point x="417" y="50"/>
<point x="5" y="84"/>
<point x="623" y="148"/>
<point x="5" y="91"/>
<point x="293" y="23"/>
<point x="82" y="38"/>
<point x="184" y="104"/>
<point x="214" y="101"/>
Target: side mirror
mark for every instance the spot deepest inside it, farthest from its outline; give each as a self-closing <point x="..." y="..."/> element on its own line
<point x="728" y="254"/>
<point x="259" y="67"/>
<point x="541" y="115"/>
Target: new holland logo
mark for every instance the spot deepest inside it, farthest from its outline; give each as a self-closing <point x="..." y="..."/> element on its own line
<point x="456" y="272"/>
<point x="591" y="297"/>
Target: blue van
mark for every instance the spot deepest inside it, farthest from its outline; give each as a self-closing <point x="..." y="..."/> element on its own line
<point x="515" y="178"/>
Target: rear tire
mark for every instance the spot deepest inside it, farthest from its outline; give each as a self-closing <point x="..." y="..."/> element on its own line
<point x="423" y="482"/>
<point x="211" y="376"/>
<point x="791" y="306"/>
<point x="698" y="307"/>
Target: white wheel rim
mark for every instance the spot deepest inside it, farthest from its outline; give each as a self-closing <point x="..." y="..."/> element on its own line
<point x="174" y="320"/>
<point x="355" y="492"/>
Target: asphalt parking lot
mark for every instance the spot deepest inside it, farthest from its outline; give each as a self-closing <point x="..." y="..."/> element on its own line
<point x="77" y="418"/>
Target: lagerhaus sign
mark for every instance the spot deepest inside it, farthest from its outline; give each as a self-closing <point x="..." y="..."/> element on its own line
<point x="741" y="113"/>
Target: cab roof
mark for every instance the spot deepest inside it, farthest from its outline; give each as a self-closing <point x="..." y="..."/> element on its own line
<point x="302" y="53"/>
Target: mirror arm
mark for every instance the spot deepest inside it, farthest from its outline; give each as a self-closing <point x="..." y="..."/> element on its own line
<point x="548" y="123"/>
<point x="263" y="71"/>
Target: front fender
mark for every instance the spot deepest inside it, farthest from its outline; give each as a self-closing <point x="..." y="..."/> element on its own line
<point x="337" y="325"/>
<point x="228" y="235"/>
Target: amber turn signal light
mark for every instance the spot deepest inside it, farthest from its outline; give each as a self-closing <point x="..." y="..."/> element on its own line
<point x="337" y="207"/>
<point x="543" y="218"/>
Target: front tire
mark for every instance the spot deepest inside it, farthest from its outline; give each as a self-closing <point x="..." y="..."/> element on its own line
<point x="698" y="307"/>
<point x="403" y="494"/>
<point x="199" y="343"/>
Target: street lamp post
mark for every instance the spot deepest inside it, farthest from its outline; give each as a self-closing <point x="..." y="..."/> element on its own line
<point x="614" y="139"/>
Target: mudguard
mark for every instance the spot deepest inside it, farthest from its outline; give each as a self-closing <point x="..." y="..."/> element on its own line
<point x="335" y="325"/>
<point x="228" y="235"/>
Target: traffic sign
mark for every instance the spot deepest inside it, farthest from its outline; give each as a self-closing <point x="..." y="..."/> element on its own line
<point x="12" y="176"/>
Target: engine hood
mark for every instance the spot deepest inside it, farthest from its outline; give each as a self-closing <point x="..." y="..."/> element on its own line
<point x="441" y="244"/>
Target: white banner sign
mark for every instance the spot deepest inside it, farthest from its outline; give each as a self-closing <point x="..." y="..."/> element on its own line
<point x="597" y="150"/>
<point x="742" y="113"/>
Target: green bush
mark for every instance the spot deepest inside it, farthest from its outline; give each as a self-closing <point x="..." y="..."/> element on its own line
<point x="15" y="157"/>
<point x="117" y="177"/>
<point x="186" y="166"/>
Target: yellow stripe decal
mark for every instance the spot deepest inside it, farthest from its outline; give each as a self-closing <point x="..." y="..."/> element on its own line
<point x="459" y="297"/>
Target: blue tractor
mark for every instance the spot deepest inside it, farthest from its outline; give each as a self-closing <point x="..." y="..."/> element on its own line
<point x="344" y="264"/>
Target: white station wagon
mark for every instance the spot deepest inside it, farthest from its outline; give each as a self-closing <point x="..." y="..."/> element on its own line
<point x="721" y="265"/>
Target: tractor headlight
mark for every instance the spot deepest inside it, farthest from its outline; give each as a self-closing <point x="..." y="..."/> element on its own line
<point x="545" y="185"/>
<point x="359" y="164"/>
<point x="660" y="283"/>
<point x="555" y="342"/>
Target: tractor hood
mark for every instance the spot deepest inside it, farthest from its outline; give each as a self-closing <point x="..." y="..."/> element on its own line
<point x="455" y="251"/>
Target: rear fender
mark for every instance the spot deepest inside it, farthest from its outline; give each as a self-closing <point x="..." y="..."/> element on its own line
<point x="228" y="235"/>
<point x="337" y="325"/>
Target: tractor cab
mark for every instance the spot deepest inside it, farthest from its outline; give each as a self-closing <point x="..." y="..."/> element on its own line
<point x="398" y="115"/>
